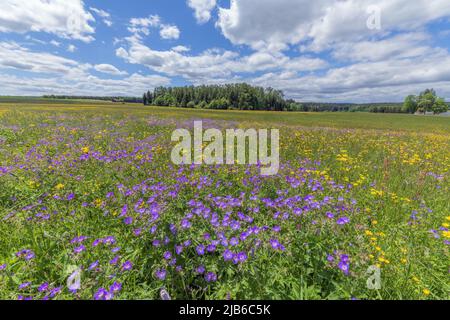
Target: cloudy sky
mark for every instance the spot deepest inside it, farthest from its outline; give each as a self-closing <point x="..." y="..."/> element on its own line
<point x="321" y="50"/>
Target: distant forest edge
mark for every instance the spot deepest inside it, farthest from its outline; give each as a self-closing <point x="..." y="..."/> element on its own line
<point x="246" y="97"/>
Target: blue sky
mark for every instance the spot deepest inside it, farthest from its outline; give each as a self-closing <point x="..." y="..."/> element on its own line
<point x="323" y="50"/>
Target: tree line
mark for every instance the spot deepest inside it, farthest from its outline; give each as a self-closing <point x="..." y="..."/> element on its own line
<point x="230" y="96"/>
<point x="102" y="98"/>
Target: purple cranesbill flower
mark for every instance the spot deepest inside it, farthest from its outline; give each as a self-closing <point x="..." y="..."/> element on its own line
<point x="330" y="215"/>
<point x="128" y="220"/>
<point x="167" y="255"/>
<point x="211" y="248"/>
<point x="242" y="257"/>
<point x="228" y="255"/>
<point x="93" y="265"/>
<point x="79" y="239"/>
<point x="153" y="229"/>
<point x="207" y="236"/>
<point x="179" y="250"/>
<point x="24" y="285"/>
<point x="275" y="244"/>
<point x="276" y="229"/>
<point x="127" y="266"/>
<point x="345" y="267"/>
<point x="55" y="291"/>
<point x="96" y="242"/>
<point x="79" y="249"/>
<point x="211" y="277"/>
<point x="115" y="287"/>
<point x="185" y="224"/>
<point x="234" y="241"/>
<point x="200" y="270"/>
<point x="173" y="262"/>
<point x="70" y="197"/>
<point x="156" y="243"/>
<point x="26" y="254"/>
<point x="235" y="225"/>
<point x="109" y="296"/>
<point x="3" y="267"/>
<point x="110" y="240"/>
<point x="200" y="250"/>
<point x="124" y="211"/>
<point x="330" y="258"/>
<point x="187" y="243"/>
<point x="114" y="261"/>
<point x="137" y="232"/>
<point x="173" y="229"/>
<point x="100" y="294"/>
<point x="161" y="274"/>
<point x="343" y="220"/>
<point x="115" y="250"/>
<point x="43" y="287"/>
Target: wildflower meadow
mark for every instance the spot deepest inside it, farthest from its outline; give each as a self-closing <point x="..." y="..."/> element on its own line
<point x="91" y="207"/>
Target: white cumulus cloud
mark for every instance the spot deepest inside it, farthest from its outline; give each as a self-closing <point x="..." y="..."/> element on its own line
<point x="109" y="69"/>
<point x="202" y="9"/>
<point x="169" y="32"/>
<point x="66" y="19"/>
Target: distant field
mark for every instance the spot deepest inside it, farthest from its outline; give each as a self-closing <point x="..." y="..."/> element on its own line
<point x="90" y="189"/>
<point x="355" y="120"/>
<point x="36" y="100"/>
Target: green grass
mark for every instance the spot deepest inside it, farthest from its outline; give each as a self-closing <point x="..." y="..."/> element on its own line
<point x="355" y="120"/>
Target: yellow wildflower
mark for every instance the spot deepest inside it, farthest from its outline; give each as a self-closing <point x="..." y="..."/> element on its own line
<point x="59" y="186"/>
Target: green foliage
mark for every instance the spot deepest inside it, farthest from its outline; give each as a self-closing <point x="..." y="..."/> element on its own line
<point x="440" y="106"/>
<point x="231" y="96"/>
<point x="410" y="104"/>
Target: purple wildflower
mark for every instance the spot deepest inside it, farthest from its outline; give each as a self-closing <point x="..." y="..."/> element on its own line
<point x="228" y="255"/>
<point x="161" y="274"/>
<point x="200" y="250"/>
<point x="200" y="270"/>
<point x="127" y="266"/>
<point x="128" y="220"/>
<point x="93" y="265"/>
<point x="211" y="277"/>
<point x="24" y="285"/>
<point x="100" y="294"/>
<point x="343" y="220"/>
<point x="43" y="287"/>
<point x="115" y="287"/>
<point x="167" y="255"/>
<point x="79" y="249"/>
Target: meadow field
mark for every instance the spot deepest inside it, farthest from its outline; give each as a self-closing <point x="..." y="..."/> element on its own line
<point x="92" y="207"/>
